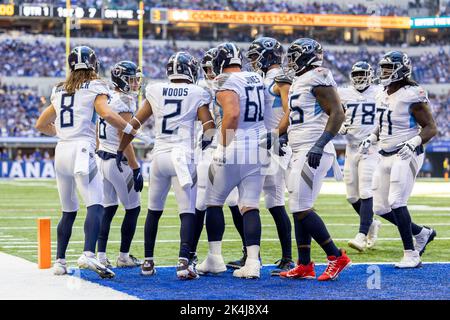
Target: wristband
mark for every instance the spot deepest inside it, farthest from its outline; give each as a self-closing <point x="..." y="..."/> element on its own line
<point x="324" y="139"/>
<point x="128" y="129"/>
<point x="416" y="141"/>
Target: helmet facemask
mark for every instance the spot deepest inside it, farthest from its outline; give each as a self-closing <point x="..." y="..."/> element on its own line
<point x="361" y="79"/>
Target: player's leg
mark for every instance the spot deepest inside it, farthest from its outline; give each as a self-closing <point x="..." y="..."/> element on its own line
<point x="159" y="186"/>
<point x="274" y="192"/>
<point x="250" y="189"/>
<point x="110" y="204"/>
<point x="232" y="203"/>
<point x="130" y="199"/>
<point x="351" y="177"/>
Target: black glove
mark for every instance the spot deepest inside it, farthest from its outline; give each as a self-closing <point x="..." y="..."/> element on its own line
<point x="138" y="180"/>
<point x="282" y="142"/>
<point x="119" y="159"/>
<point x="314" y="155"/>
<point x="206" y="142"/>
<point x="267" y="140"/>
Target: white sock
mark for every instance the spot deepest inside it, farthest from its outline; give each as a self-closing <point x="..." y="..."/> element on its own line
<point x="253" y="252"/>
<point x="62" y="261"/>
<point x="101" y="255"/>
<point x="124" y="255"/>
<point x="215" y="247"/>
<point x="148" y="258"/>
<point x="89" y="254"/>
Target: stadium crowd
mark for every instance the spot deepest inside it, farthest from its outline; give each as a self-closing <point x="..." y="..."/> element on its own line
<point x="47" y="60"/>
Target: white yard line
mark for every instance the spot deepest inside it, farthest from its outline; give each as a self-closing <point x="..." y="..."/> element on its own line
<point x="21" y="279"/>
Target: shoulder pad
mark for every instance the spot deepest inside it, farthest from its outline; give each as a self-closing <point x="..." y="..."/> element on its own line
<point x="220" y="80"/>
<point x="282" y="77"/>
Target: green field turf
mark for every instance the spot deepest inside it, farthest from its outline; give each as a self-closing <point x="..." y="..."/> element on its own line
<point x="21" y="202"/>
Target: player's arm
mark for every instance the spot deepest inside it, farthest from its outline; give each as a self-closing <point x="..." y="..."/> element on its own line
<point x="45" y="122"/>
<point x="229" y="101"/>
<point x="282" y="89"/>
<point x="330" y="102"/>
<point x="205" y="117"/>
<point x="129" y="150"/>
<point x="104" y="111"/>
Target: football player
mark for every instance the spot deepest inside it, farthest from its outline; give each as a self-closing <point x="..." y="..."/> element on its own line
<point x="126" y="185"/>
<point x="405" y="125"/>
<point x="208" y="148"/>
<point x="265" y="56"/>
<point x="316" y="116"/>
<point x="71" y="117"/>
<point x="235" y="161"/>
<point x="359" y="102"/>
<point x="176" y="106"/>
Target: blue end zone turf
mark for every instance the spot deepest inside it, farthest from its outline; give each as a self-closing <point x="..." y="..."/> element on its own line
<point x="430" y="282"/>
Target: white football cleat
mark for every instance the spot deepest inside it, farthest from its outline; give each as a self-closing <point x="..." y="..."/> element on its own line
<point x="105" y="261"/>
<point x="91" y="263"/>
<point x="423" y="238"/>
<point x="359" y="243"/>
<point x="59" y="268"/>
<point x="212" y="264"/>
<point x="411" y="259"/>
<point x="186" y="271"/>
<point x="251" y="270"/>
<point x="372" y="235"/>
<point x="128" y="262"/>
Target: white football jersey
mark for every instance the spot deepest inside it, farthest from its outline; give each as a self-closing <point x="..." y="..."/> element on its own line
<point x="249" y="86"/>
<point x="108" y="136"/>
<point x="75" y="113"/>
<point x="360" y="111"/>
<point x="397" y="124"/>
<point x="307" y="119"/>
<point x="174" y="107"/>
<point x="216" y="111"/>
<point x="274" y="108"/>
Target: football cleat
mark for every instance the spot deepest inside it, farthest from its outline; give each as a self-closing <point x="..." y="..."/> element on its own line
<point x="411" y="259"/>
<point x="423" y="239"/>
<point x="129" y="262"/>
<point x="283" y="264"/>
<point x="186" y="271"/>
<point x="193" y="259"/>
<point x="238" y="263"/>
<point x="372" y="235"/>
<point x="300" y="272"/>
<point x="251" y="270"/>
<point x="91" y="263"/>
<point x="212" y="264"/>
<point x="335" y="266"/>
<point x="59" y="268"/>
<point x="359" y="243"/>
<point x="105" y="261"/>
<point x="148" y="268"/>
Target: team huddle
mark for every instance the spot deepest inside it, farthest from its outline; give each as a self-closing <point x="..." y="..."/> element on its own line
<point x="228" y="138"/>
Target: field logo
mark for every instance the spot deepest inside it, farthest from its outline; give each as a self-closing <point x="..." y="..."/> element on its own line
<point x="374" y="279"/>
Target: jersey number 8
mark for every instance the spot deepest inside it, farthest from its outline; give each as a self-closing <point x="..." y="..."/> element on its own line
<point x="66" y="115"/>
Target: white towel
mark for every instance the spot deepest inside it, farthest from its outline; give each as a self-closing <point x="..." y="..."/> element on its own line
<point x="179" y="160"/>
<point x="286" y="159"/>
<point x="81" y="166"/>
<point x="337" y="170"/>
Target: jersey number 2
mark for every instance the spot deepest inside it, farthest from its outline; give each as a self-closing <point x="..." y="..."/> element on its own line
<point x="66" y="115"/>
<point x="166" y="118"/>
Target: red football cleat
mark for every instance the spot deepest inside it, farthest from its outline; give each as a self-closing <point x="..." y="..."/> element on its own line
<point x="300" y="272"/>
<point x="335" y="266"/>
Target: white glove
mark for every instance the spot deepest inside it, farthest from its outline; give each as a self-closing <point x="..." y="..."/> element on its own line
<point x="343" y="130"/>
<point x="219" y="155"/>
<point x="144" y="137"/>
<point x="365" y="145"/>
<point x="408" y="147"/>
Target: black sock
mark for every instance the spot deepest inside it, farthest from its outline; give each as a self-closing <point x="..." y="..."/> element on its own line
<point x="128" y="228"/>
<point x="283" y="229"/>
<point x="238" y="222"/>
<point x="365" y="215"/>
<point x="318" y="231"/>
<point x="404" y="227"/>
<point x="186" y="234"/>
<point x="416" y="229"/>
<point x="215" y="223"/>
<point x="303" y="239"/>
<point x="252" y="228"/>
<point x="199" y="222"/>
<point x="64" y="231"/>
<point x="104" y="227"/>
<point x="150" y="231"/>
<point x="92" y="226"/>
<point x="357" y="206"/>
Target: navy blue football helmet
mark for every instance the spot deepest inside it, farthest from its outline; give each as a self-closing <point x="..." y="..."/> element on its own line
<point x="83" y="58"/>
<point x="303" y="53"/>
<point x="182" y="66"/>
<point x="393" y="67"/>
<point x="361" y="75"/>
<point x="265" y="52"/>
<point x="126" y="76"/>
<point x="206" y="62"/>
<point x="227" y="54"/>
